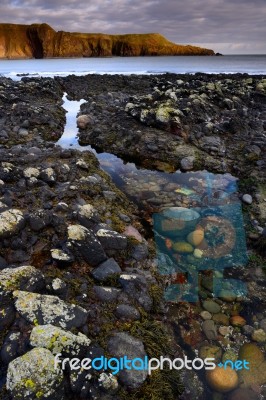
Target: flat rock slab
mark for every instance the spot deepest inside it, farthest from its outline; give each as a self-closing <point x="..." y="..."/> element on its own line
<point x="45" y="309"/>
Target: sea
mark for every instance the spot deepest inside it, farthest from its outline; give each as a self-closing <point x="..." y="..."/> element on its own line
<point x="229" y="64"/>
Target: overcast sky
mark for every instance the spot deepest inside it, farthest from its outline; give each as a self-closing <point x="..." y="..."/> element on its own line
<point x="226" y="26"/>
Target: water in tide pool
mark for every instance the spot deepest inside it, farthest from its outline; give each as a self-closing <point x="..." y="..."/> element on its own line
<point x="153" y="190"/>
<point x="251" y="64"/>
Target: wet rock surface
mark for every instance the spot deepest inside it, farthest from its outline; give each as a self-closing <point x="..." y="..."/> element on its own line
<point x="78" y="269"/>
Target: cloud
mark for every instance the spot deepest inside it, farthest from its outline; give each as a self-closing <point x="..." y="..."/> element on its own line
<point x="230" y="26"/>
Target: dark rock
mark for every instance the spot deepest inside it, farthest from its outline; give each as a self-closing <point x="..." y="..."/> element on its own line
<point x="121" y="344"/>
<point x="111" y="240"/>
<point x="108" y="294"/>
<point x="124" y="311"/>
<point x="106" y="269"/>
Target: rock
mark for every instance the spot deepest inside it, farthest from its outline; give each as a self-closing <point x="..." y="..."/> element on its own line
<point x="263" y="324"/>
<point x="48" y="175"/>
<point x="229" y="354"/>
<point x="25" y="278"/>
<point x="211" y="306"/>
<point x="3" y="263"/>
<point x="11" y="347"/>
<point x="177" y="220"/>
<point x="108" y="382"/>
<point x="205" y="315"/>
<point x="221" y="318"/>
<point x="85" y="245"/>
<point x="62" y="258"/>
<point x="256" y="374"/>
<point x="45" y="309"/>
<point x="83" y="121"/>
<point x="247" y="199"/>
<point x="195" y="237"/>
<point x="39" y="220"/>
<point x="237" y="320"/>
<point x="88" y="216"/>
<point x="140" y="251"/>
<point x="23" y="132"/>
<point x="121" y="344"/>
<point x="187" y="163"/>
<point x="31" y="172"/>
<point x="225" y="330"/>
<point x="106" y="269"/>
<point x="58" y="340"/>
<point x="7" y="315"/>
<point x="197" y="253"/>
<point x="259" y="335"/>
<point x="111" y="240"/>
<point x="126" y="312"/>
<point x="182" y="247"/>
<point x="222" y="380"/>
<point x="11" y="222"/>
<point x="130" y="231"/>
<point x="209" y="329"/>
<point x="210" y="351"/>
<point x="136" y="286"/>
<point x="243" y="394"/>
<point x="33" y="376"/>
<point x="227" y="295"/>
<point x="108" y="294"/>
<point x="58" y="286"/>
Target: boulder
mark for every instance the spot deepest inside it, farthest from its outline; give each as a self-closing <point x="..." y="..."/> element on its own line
<point x="45" y="309"/>
<point x="11" y="222"/>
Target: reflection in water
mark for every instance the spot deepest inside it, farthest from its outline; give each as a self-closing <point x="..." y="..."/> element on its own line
<point x="154" y="190"/>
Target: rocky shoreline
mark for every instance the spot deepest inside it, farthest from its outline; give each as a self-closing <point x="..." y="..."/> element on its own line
<point x="78" y="271"/>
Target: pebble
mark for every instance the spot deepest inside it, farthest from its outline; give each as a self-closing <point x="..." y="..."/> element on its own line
<point x="237" y="321"/>
<point x="209" y="328"/>
<point x="211" y="306"/>
<point x="247" y="199"/>
<point x="205" y="315"/>
<point x="259" y="335"/>
<point x="222" y="380"/>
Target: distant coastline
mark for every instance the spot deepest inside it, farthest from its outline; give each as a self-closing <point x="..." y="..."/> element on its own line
<point x="42" y="41"/>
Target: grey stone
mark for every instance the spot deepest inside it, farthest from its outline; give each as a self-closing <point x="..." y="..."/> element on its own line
<point x="88" y="215"/>
<point x="136" y="286"/>
<point x="124" y="311"/>
<point x="33" y="376"/>
<point x="83" y="242"/>
<point x="209" y="328"/>
<point x="187" y="163"/>
<point x="48" y="175"/>
<point x="83" y="121"/>
<point x="247" y="199"/>
<point x="111" y="240"/>
<point x="211" y="306"/>
<point x="121" y="344"/>
<point x="45" y="309"/>
<point x="106" y="269"/>
<point x="108" y="294"/>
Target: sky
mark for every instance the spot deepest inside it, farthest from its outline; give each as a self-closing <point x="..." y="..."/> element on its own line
<point x="228" y="27"/>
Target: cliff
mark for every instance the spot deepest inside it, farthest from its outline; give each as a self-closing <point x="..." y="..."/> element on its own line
<point x="41" y="41"/>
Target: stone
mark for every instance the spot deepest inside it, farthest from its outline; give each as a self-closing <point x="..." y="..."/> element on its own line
<point x="225" y="330"/>
<point x="88" y="216"/>
<point x="130" y="231"/>
<point x="243" y="394"/>
<point x="237" y="321"/>
<point x="48" y="175"/>
<point x="222" y="380"/>
<point x="40" y="219"/>
<point x="205" y="315"/>
<point x="197" y="253"/>
<point x="259" y="335"/>
<point x="187" y="163"/>
<point x="209" y="328"/>
<point x="58" y="340"/>
<point x="126" y="312"/>
<point x="140" y="251"/>
<point x="247" y="199"/>
<point x="221" y="318"/>
<point x="211" y="306"/>
<point x="11" y="347"/>
<point x="196" y="237"/>
<point x="26" y="278"/>
<point x="104" y="293"/>
<point x="106" y="269"/>
<point x="229" y="354"/>
<point x="46" y="309"/>
<point x="136" y="286"/>
<point x="108" y="382"/>
<point x="84" y="244"/>
<point x="111" y="240"/>
<point x="23" y="132"/>
<point x="31" y="172"/>
<point x="121" y="344"/>
<point x="83" y="121"/>
<point x="227" y="295"/>
<point x="256" y="374"/>
<point x="263" y="324"/>
<point x="33" y="376"/>
<point x="58" y="286"/>
<point x="11" y="222"/>
<point x="62" y="258"/>
<point x="182" y="247"/>
<point x="210" y="351"/>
